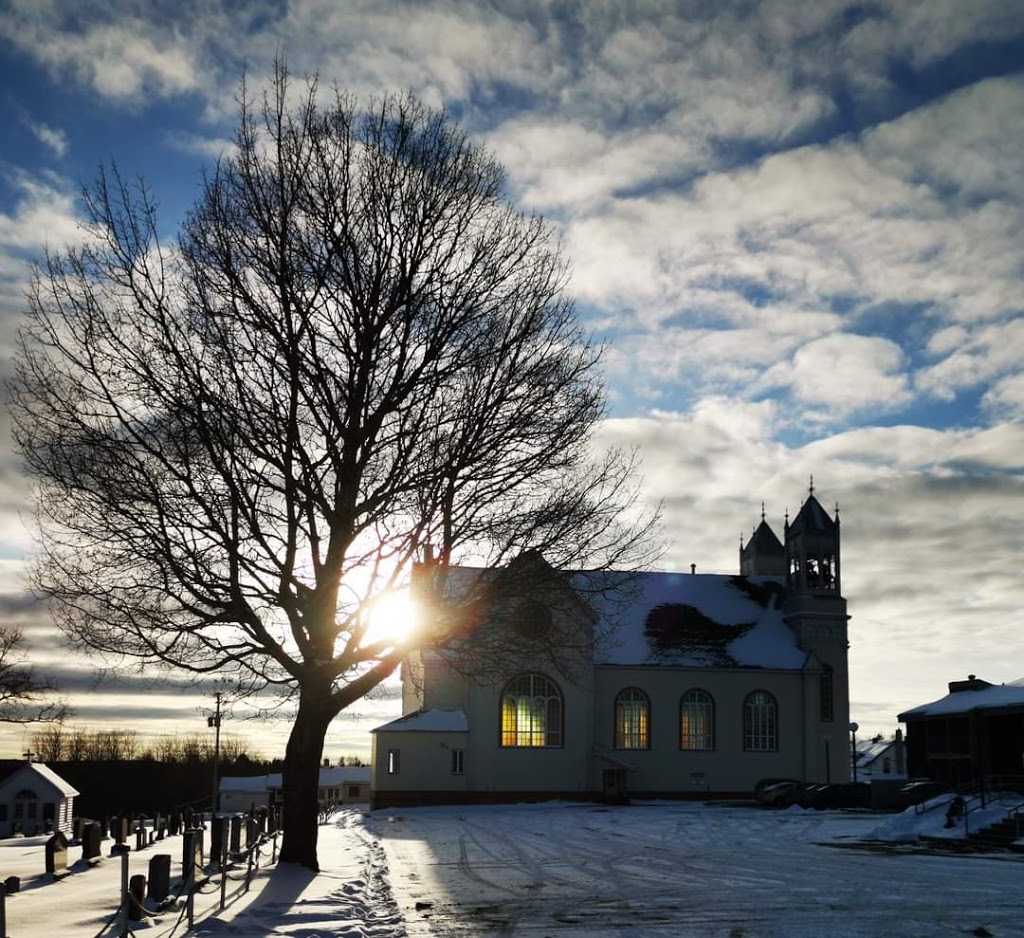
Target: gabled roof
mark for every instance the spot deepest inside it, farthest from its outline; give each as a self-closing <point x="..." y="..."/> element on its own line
<point x="696" y="620"/>
<point x="764" y="541"/>
<point x="10" y="767"/>
<point x="427" y="721"/>
<point x="992" y="697"/>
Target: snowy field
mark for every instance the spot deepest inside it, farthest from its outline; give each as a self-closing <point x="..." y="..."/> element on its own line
<point x="568" y="871"/>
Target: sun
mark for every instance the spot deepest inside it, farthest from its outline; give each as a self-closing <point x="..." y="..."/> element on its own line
<point x="392" y="617"/>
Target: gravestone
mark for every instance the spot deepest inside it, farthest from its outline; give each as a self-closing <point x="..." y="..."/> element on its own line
<point x="119" y="828"/>
<point x="77" y="827"/>
<point x="141" y="838"/>
<point x="12" y="885"/>
<point x="237" y="845"/>
<point x="192" y="854"/>
<point x="136" y="891"/>
<point x="92" y="837"/>
<point x="218" y="838"/>
<point x="174" y="824"/>
<point x="159" y="877"/>
<point x="57" y="854"/>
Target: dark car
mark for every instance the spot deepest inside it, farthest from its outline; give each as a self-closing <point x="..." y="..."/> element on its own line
<point x="839" y="795"/>
<point x="768" y="789"/>
<point x="801" y="795"/>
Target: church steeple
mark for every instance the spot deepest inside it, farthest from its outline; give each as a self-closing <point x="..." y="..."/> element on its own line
<point x="764" y="554"/>
<point x="812" y="550"/>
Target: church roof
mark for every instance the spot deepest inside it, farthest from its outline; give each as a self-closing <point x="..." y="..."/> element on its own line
<point x="695" y="620"/>
<point x="812" y="519"/>
<point x="764" y="541"/>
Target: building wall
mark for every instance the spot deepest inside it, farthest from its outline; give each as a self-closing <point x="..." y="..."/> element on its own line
<point x="728" y="768"/>
<point x="424" y="761"/>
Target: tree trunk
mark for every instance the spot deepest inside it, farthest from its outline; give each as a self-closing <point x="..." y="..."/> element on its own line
<point x="301" y="781"/>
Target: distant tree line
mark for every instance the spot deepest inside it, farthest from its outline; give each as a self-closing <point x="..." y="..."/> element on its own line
<point x="63" y="742"/>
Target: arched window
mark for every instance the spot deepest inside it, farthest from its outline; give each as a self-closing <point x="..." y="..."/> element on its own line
<point x="531" y="712"/>
<point x="827" y="695"/>
<point x="760" y="722"/>
<point x="632" y="719"/>
<point x="696" y="721"/>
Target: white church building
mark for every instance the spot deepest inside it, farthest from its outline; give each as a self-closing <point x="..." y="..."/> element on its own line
<point x="644" y="685"/>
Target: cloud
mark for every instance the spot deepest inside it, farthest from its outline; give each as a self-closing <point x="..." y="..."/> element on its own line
<point x="844" y="374"/>
<point x="55" y="139"/>
<point x="919" y="507"/>
<point x="975" y="356"/>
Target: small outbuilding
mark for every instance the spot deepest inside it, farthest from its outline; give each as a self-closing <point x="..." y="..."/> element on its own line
<point x="34" y="799"/>
<point x="976" y="730"/>
<point x="348" y="784"/>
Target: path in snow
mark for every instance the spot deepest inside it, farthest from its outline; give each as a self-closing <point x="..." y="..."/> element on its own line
<point x="681" y="870"/>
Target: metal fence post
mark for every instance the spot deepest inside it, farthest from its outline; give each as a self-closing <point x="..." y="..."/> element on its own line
<point x="124" y="895"/>
<point x="3" y="911"/>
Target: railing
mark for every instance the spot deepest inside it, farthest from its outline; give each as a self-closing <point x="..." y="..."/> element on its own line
<point x="976" y="795"/>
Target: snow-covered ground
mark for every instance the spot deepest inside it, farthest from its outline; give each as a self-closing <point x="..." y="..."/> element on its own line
<point x="568" y="871"/>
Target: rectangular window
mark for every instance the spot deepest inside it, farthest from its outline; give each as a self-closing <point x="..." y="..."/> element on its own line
<point x="458" y="761"/>
<point x="827" y="696"/>
<point x="353" y="791"/>
<point x="393" y="765"/>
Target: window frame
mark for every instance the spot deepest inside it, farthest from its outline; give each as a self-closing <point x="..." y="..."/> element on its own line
<point x="538" y="700"/>
<point x="764" y="738"/>
<point x="635" y="737"/>
<point x="458" y="762"/>
<point x="708" y="705"/>
<point x="827" y="692"/>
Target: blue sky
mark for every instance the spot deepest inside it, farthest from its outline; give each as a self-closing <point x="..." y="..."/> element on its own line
<point x="797" y="226"/>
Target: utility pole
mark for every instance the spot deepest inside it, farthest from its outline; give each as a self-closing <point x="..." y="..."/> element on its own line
<point x="214" y="721"/>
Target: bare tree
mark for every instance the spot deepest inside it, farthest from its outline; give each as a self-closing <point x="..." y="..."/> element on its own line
<point x="25" y="697"/>
<point x="357" y="349"/>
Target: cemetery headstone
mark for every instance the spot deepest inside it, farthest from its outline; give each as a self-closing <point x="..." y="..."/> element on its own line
<point x="141" y="838"/>
<point x="77" y="827"/>
<point x="92" y="837"/>
<point x="57" y="854"/>
<point x="12" y="884"/>
<point x="137" y="891"/>
<point x="237" y="834"/>
<point x="192" y="854"/>
<point x="159" y="877"/>
<point x="218" y="838"/>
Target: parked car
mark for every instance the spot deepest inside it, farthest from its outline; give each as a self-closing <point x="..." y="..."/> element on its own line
<point x="766" y="790"/>
<point x="800" y="795"/>
<point x="839" y="795"/>
<point x="770" y="795"/>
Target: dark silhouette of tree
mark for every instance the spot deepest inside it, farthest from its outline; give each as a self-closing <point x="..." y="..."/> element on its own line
<point x="25" y="696"/>
<point x="356" y="350"/>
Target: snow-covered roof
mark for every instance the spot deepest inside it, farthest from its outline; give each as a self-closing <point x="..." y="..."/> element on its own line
<point x="332" y="777"/>
<point x="429" y="721"/>
<point x="868" y="752"/>
<point x="11" y="767"/>
<point x="992" y="697"/>
<point x="695" y="620"/>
